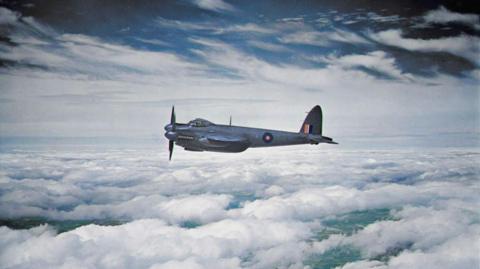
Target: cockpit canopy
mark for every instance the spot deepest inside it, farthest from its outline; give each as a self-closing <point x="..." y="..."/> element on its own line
<point x="199" y="123"/>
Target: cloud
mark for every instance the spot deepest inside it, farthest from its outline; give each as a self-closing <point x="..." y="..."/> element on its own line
<point x="85" y="55"/>
<point x="151" y="244"/>
<point x="378" y="61"/>
<point x="441" y="15"/>
<point x="246" y="28"/>
<point x="183" y="25"/>
<point x="7" y="16"/>
<point x="251" y="68"/>
<point x="424" y="237"/>
<point x="214" y="28"/>
<point x="214" y="5"/>
<point x="254" y="210"/>
<point x="324" y="38"/>
<point x="382" y="19"/>
<point x="465" y="46"/>
<point x="267" y="46"/>
<point x="154" y="42"/>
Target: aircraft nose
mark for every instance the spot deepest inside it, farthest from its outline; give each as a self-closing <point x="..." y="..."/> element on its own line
<point x="170" y="135"/>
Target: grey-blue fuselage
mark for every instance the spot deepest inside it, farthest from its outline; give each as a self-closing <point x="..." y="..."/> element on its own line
<point x="227" y="138"/>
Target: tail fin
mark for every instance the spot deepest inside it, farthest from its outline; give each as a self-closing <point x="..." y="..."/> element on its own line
<point x="313" y="122"/>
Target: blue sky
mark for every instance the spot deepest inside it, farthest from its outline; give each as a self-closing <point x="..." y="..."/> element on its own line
<point x="393" y="71"/>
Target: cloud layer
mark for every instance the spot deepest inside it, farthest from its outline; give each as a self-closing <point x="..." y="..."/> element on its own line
<point x="254" y="210"/>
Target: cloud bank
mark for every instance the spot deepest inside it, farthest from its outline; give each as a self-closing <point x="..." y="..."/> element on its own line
<point x="257" y="210"/>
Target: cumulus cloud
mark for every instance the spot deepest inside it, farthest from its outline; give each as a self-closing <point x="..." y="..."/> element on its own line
<point x="431" y="237"/>
<point x="465" y="46"/>
<point x="441" y="15"/>
<point x="149" y="244"/>
<point x="254" y="210"/>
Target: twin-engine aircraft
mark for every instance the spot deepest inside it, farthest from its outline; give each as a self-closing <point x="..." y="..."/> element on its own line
<point x="202" y="135"/>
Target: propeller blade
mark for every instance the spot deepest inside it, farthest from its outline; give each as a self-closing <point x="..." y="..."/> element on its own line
<point x="172" y="118"/>
<point x="170" y="149"/>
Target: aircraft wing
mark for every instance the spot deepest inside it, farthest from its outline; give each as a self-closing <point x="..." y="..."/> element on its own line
<point x="223" y="140"/>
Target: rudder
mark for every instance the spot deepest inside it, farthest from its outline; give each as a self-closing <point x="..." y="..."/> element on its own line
<point x="313" y="122"/>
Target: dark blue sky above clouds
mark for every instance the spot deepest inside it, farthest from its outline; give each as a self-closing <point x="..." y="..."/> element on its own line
<point x="113" y="68"/>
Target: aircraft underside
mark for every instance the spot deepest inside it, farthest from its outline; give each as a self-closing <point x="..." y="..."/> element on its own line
<point x="205" y="146"/>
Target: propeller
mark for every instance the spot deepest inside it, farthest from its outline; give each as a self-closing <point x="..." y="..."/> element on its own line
<point x="172" y="118"/>
<point x="170" y="149"/>
<point x="171" y="143"/>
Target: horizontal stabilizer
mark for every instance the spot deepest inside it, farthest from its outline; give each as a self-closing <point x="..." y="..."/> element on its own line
<point x="328" y="140"/>
<point x="316" y="139"/>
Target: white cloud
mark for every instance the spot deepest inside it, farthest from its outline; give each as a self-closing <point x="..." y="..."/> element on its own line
<point x="247" y="28"/>
<point x="377" y="60"/>
<point x="465" y="46"/>
<point x="382" y="19"/>
<point x="183" y="25"/>
<point x="214" y="28"/>
<point x="324" y="38"/>
<point x="7" y="16"/>
<point x="214" y="5"/>
<point x="267" y="46"/>
<point x="431" y="237"/>
<point x="444" y="16"/>
<point x="282" y="200"/>
<point x="154" y="42"/>
<point x="146" y="243"/>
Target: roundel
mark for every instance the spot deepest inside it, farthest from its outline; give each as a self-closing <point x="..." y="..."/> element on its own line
<point x="267" y="137"/>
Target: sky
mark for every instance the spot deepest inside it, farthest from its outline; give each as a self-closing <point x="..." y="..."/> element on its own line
<point x="387" y="73"/>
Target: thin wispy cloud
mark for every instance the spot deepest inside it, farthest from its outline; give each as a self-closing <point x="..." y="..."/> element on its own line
<point x="377" y="61"/>
<point x="214" y="5"/>
<point x="465" y="46"/>
<point x="267" y="46"/>
<point x="317" y="38"/>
